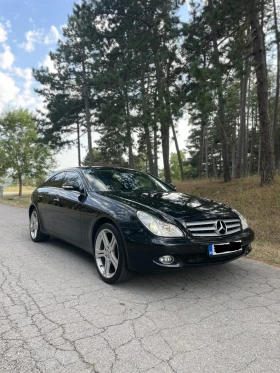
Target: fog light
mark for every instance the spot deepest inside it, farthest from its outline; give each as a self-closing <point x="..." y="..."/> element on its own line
<point x="167" y="259"/>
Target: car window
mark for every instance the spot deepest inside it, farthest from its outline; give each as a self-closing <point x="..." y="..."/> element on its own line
<point x="56" y="181"/>
<point x="73" y="176"/>
<point x="122" y="180"/>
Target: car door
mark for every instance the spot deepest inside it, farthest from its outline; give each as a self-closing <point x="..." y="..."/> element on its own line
<point x="46" y="200"/>
<point x="67" y="218"/>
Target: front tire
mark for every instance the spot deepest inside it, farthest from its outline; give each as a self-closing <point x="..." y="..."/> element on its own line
<point x="35" y="228"/>
<point x="109" y="255"/>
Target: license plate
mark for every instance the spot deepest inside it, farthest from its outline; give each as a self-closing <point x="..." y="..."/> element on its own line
<point x="224" y="248"/>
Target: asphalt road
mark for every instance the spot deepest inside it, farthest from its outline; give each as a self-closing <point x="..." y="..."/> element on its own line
<point x="57" y="316"/>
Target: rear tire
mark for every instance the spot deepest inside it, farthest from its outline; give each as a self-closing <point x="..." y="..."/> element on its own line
<point x="35" y="228"/>
<point x="109" y="255"/>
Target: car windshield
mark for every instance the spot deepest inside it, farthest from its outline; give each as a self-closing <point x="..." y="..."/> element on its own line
<point x="122" y="180"/>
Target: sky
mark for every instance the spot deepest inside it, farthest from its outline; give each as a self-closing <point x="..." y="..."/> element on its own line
<point x="29" y="30"/>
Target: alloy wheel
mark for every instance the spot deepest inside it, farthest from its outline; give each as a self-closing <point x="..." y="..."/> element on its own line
<point x="34" y="224"/>
<point x="106" y="253"/>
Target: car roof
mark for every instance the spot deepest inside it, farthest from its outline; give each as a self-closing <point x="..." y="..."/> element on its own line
<point x="94" y="168"/>
<point x="52" y="174"/>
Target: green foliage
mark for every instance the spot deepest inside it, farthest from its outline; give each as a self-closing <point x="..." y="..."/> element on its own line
<point x="109" y="158"/>
<point x="130" y="69"/>
<point x="140" y="162"/>
<point x="189" y="171"/>
<point x="20" y="153"/>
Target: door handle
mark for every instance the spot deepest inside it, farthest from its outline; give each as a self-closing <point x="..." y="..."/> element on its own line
<point x="40" y="197"/>
<point x="56" y="200"/>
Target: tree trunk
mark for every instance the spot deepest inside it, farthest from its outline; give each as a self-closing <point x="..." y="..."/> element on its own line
<point x="20" y="184"/>
<point x="242" y="138"/>
<point x="213" y="162"/>
<point x="226" y="166"/>
<point x="206" y="154"/>
<point x="233" y="150"/>
<point x="164" y="121"/>
<point x="252" y="151"/>
<point x="130" y="149"/>
<point x="201" y="147"/>
<point x="165" y="152"/>
<point x="79" y="144"/>
<point x="86" y="99"/>
<point x="277" y="150"/>
<point x="221" y="101"/>
<point x="238" y="153"/>
<point x="267" y="151"/>
<point x="155" y="151"/>
<point x="221" y="162"/>
<point x="146" y="124"/>
<point x="260" y="153"/>
<point x="245" y="154"/>
<point x="129" y="136"/>
<point x="178" y="151"/>
<point x="276" y="102"/>
<point x="253" y="136"/>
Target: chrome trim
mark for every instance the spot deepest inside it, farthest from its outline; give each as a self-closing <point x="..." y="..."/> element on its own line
<point x="208" y="228"/>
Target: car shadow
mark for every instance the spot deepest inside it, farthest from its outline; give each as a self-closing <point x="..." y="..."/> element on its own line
<point x="218" y="276"/>
<point x="70" y="249"/>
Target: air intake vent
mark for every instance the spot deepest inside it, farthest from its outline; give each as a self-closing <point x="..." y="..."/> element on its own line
<point x="214" y="228"/>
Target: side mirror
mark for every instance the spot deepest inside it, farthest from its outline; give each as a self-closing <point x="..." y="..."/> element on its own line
<point x="71" y="185"/>
<point x="173" y="187"/>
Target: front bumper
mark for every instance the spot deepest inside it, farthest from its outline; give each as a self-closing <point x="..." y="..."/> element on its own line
<point x="143" y="251"/>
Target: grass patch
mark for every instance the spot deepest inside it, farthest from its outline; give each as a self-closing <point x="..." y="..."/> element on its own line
<point x="15" y="200"/>
<point x="260" y="206"/>
<point x="14" y="189"/>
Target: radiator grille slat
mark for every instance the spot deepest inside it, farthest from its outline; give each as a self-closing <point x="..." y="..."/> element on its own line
<point x="208" y="228"/>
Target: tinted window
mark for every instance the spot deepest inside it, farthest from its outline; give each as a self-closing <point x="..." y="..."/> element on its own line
<point x="73" y="176"/>
<point x="122" y="180"/>
<point x="56" y="181"/>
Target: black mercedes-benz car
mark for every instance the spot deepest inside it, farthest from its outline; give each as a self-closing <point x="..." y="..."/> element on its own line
<point x="131" y="221"/>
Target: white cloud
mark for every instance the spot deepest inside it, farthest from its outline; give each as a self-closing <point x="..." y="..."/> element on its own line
<point x="52" y="36"/>
<point x="17" y="90"/>
<point x="27" y="96"/>
<point x="32" y="37"/>
<point x="8" y="91"/>
<point x="6" y="58"/>
<point x="3" y="33"/>
<point x="8" y="25"/>
<point x="48" y="62"/>
<point x="38" y="36"/>
<point x="23" y="73"/>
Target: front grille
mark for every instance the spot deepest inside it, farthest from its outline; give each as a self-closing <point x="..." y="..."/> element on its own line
<point x="214" y="228"/>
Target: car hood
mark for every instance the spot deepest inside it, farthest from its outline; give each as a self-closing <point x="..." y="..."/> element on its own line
<point x="177" y="205"/>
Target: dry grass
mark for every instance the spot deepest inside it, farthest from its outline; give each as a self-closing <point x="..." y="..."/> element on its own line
<point x="261" y="207"/>
<point x="11" y="196"/>
<point x="14" y="189"/>
<point x="15" y="200"/>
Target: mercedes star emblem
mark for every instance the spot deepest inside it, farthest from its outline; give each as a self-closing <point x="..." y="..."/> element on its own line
<point x="221" y="227"/>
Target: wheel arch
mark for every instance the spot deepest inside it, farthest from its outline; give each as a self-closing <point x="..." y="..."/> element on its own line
<point x="31" y="208"/>
<point x="103" y="220"/>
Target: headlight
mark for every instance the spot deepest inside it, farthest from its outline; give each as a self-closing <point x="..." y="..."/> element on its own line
<point x="244" y="223"/>
<point x="159" y="227"/>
